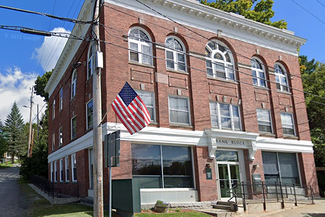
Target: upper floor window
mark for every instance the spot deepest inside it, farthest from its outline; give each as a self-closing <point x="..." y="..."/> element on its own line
<point x="225" y="116"/>
<point x="90" y="62"/>
<point x="74" y="127"/>
<point x="281" y="78"/>
<point x="53" y="110"/>
<point x="219" y="61"/>
<point x="287" y="124"/>
<point x="74" y="84"/>
<point x="175" y="54"/>
<point x="149" y="100"/>
<point x="61" y="99"/>
<point x="89" y="114"/>
<point x="60" y="137"/>
<point x="53" y="141"/>
<point x="258" y="73"/>
<point x="264" y="120"/>
<point x="140" y="46"/>
<point x="179" y="110"/>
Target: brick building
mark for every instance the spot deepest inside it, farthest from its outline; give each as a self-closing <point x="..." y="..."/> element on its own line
<point x="224" y="93"/>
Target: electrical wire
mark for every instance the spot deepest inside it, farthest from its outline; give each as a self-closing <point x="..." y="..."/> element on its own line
<point x="308" y="12"/>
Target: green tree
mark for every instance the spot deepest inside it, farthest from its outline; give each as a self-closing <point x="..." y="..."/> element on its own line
<point x="3" y="142"/>
<point x="260" y="11"/>
<point x="40" y="84"/>
<point x="14" y="127"/>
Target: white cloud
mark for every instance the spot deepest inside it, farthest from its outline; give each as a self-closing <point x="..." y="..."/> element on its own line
<point x="15" y="86"/>
<point x="48" y="54"/>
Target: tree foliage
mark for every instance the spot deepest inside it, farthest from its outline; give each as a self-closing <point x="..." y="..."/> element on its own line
<point x="313" y="77"/>
<point x="14" y="127"/>
<point x="3" y="141"/>
<point x="40" y="84"/>
<point x="260" y="11"/>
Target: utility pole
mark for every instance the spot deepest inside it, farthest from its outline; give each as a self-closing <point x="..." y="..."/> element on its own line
<point x="30" y="122"/>
<point x="97" y="117"/>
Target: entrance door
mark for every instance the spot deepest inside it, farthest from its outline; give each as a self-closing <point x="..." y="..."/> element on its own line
<point x="228" y="171"/>
<point x="228" y="178"/>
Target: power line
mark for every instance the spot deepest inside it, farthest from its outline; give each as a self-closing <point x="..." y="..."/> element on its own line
<point x="308" y="12"/>
<point x="47" y="15"/>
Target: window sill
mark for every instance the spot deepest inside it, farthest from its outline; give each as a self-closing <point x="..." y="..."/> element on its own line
<point x="284" y="92"/>
<point x="222" y="79"/>
<point x="285" y="136"/>
<point x="177" y="125"/>
<point x="177" y="71"/>
<point x="261" y="88"/>
<point x="141" y="64"/>
<point x="153" y="123"/>
<point x="267" y="134"/>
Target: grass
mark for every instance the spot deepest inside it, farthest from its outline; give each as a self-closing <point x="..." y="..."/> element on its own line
<point x="37" y="206"/>
<point x="9" y="164"/>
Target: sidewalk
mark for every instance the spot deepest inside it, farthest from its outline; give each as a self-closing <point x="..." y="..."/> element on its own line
<point x="308" y="210"/>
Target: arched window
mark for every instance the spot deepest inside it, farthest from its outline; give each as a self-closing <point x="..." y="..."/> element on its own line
<point x="219" y="61"/>
<point x="258" y="72"/>
<point x="281" y="78"/>
<point x="175" y="54"/>
<point x="140" y="46"/>
<point x="90" y="62"/>
<point x="74" y="83"/>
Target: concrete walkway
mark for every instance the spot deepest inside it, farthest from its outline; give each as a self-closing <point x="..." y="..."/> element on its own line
<point x="316" y="210"/>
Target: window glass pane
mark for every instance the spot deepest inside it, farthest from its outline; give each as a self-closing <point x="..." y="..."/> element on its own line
<point x="149" y="182"/>
<point x="224" y="110"/>
<point x="146" y="160"/>
<point x="177" y="160"/>
<point x="225" y="123"/>
<point x="146" y="58"/>
<point x="227" y="156"/>
<point x="143" y="36"/>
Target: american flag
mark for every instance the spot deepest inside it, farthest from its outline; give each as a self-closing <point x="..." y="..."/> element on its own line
<point x="131" y="110"/>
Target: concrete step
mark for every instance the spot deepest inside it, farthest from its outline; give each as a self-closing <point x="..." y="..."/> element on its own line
<point x="217" y="212"/>
<point x="220" y="206"/>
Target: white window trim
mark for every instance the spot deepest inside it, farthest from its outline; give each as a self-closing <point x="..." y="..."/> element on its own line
<point x="61" y="170"/>
<point x="223" y="62"/>
<point x="52" y="178"/>
<point x="66" y="169"/>
<point x="73" y="157"/>
<point x="60" y="137"/>
<point x="71" y="124"/>
<point x="88" y="127"/>
<point x="175" y="54"/>
<point x="61" y="99"/>
<point x="293" y="124"/>
<point x="55" y="171"/>
<point x="270" y="116"/>
<point x="91" y="60"/>
<point x="74" y="84"/>
<point x="231" y="116"/>
<point x="139" y="92"/>
<point x="140" y="44"/>
<point x="53" y="141"/>
<point x="279" y="75"/>
<point x="188" y="112"/>
<point x="258" y="71"/>
<point x="53" y="110"/>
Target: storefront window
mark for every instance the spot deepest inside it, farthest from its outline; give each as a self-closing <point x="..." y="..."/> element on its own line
<point x="176" y="172"/>
<point x="280" y="167"/>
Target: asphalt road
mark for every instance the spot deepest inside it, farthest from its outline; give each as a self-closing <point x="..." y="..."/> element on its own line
<point x="10" y="193"/>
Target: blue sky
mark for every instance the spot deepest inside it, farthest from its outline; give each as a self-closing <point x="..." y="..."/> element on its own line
<point x="23" y="56"/>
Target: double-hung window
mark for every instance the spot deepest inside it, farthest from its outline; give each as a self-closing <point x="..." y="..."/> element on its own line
<point x="175" y="54"/>
<point x="55" y="172"/>
<point x="179" y="110"/>
<point x="67" y="172"/>
<point x="258" y="73"/>
<point x="149" y="100"/>
<point x="61" y="99"/>
<point x="281" y="78"/>
<point x="90" y="62"/>
<point x="219" y="61"/>
<point x="74" y="83"/>
<point x="264" y="121"/>
<point x="287" y="124"/>
<point x="225" y="116"/>
<point x="60" y="137"/>
<point x="52" y="172"/>
<point x="74" y="127"/>
<point x="74" y="167"/>
<point x="53" y="141"/>
<point x="89" y="114"/>
<point x="53" y="110"/>
<point x="61" y="170"/>
<point x="140" y="46"/>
